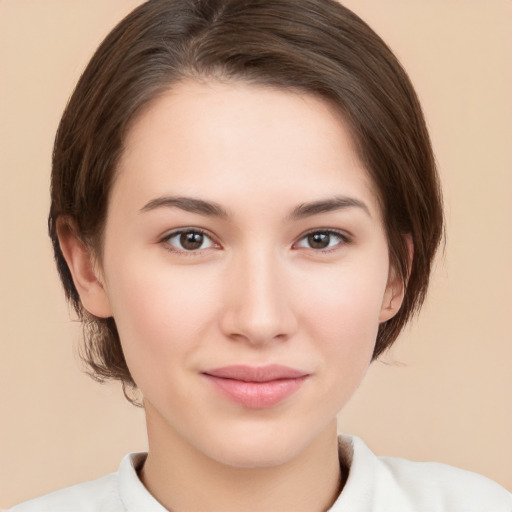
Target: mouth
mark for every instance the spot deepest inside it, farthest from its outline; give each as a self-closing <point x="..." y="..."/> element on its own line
<point x="256" y="387"/>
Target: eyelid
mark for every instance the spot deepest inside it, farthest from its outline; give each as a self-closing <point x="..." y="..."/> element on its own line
<point x="164" y="240"/>
<point x="343" y="235"/>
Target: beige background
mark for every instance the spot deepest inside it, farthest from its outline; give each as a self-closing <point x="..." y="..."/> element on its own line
<point x="447" y="394"/>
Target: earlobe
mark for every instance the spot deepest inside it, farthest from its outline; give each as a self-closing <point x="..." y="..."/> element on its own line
<point x="396" y="286"/>
<point x="393" y="297"/>
<point x="81" y="263"/>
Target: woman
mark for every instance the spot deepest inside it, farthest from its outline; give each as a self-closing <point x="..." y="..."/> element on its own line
<point x="245" y="210"/>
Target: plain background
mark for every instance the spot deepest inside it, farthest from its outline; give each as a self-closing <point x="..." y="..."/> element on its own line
<point x="445" y="390"/>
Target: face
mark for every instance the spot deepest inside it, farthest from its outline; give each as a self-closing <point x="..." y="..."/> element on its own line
<point x="246" y="266"/>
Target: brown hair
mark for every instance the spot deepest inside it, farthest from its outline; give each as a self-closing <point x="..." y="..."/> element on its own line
<point x="315" y="46"/>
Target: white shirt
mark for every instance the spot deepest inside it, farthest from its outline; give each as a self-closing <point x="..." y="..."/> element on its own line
<point x="374" y="484"/>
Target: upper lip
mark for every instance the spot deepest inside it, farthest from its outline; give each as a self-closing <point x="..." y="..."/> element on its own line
<point x="256" y="373"/>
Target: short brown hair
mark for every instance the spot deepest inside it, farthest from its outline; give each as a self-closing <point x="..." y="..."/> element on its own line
<point x="314" y="46"/>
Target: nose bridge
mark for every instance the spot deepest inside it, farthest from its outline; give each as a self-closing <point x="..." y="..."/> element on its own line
<point x="258" y="308"/>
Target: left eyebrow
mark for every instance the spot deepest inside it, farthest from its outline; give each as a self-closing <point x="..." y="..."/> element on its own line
<point x="327" y="205"/>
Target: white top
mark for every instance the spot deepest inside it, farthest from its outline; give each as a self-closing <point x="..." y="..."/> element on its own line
<point x="374" y="484"/>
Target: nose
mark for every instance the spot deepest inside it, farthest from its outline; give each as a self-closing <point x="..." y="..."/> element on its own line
<point x="257" y="308"/>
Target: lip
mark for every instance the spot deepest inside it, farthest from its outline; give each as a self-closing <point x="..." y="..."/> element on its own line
<point x="256" y="387"/>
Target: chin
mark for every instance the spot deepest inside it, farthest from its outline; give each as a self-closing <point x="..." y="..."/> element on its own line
<point x="258" y="447"/>
<point x="249" y="456"/>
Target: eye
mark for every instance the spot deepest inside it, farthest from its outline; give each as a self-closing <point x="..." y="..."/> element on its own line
<point x="322" y="240"/>
<point x="189" y="240"/>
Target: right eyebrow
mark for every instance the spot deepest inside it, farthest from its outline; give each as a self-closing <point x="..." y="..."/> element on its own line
<point x="189" y="204"/>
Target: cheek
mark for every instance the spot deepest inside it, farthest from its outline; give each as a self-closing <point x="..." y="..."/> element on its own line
<point x="342" y="315"/>
<point x="159" y="312"/>
<point x="347" y="303"/>
<point x="344" y="325"/>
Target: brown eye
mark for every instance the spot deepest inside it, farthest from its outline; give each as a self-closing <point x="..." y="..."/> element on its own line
<point x="190" y="240"/>
<point x="319" y="240"/>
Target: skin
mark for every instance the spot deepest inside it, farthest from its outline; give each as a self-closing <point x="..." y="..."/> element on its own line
<point x="256" y="292"/>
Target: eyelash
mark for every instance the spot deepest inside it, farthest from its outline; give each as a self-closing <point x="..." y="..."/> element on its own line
<point x="197" y="231"/>
<point x="343" y="237"/>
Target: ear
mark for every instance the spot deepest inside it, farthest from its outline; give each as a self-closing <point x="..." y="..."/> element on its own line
<point x="84" y="270"/>
<point x="395" y="288"/>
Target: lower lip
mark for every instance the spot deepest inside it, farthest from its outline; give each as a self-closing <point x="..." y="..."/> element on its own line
<point x="257" y="395"/>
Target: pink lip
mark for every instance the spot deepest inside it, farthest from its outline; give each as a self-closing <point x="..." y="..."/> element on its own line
<point x="257" y="387"/>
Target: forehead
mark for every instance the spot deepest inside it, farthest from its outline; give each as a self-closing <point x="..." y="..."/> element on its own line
<point x="223" y="138"/>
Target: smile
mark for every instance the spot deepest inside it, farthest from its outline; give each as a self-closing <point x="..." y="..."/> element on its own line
<point x="256" y="387"/>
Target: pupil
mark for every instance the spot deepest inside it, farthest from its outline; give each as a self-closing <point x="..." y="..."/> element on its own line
<point x="318" y="240"/>
<point x="191" y="241"/>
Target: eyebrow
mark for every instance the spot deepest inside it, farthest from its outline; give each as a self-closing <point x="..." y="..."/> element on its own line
<point x="188" y="204"/>
<point x="328" y="205"/>
<point x="212" y="209"/>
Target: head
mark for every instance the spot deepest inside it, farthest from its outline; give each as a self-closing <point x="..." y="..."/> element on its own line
<point x="320" y="50"/>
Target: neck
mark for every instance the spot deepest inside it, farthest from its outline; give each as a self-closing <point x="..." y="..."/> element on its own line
<point x="183" y="479"/>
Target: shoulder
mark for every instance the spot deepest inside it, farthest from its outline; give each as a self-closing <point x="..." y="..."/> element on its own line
<point x="117" y="492"/>
<point x="399" y="484"/>
<point x="96" y="495"/>
<point x="445" y="487"/>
